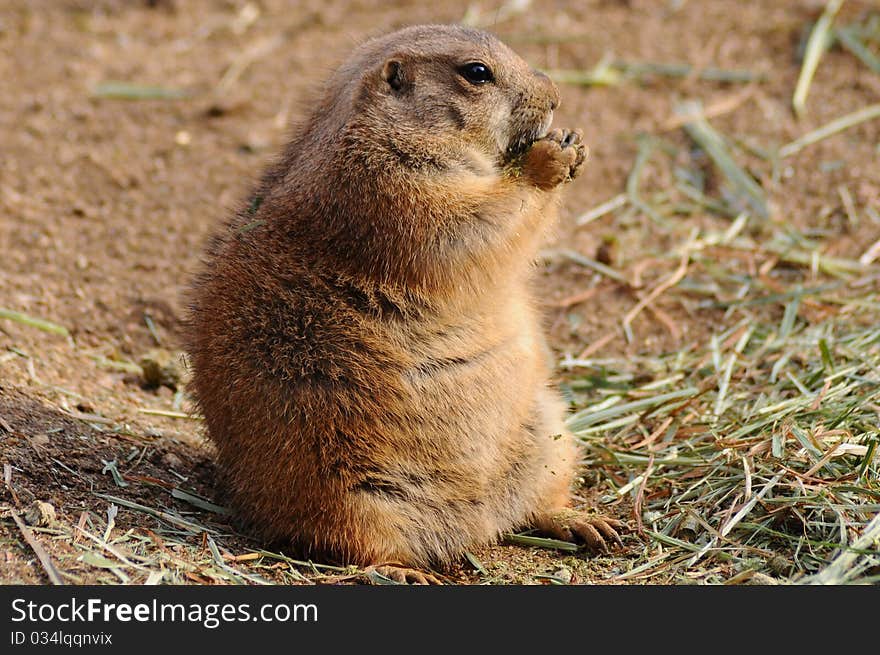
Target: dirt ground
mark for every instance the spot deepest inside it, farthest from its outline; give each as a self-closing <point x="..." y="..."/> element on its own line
<point x="105" y="204"/>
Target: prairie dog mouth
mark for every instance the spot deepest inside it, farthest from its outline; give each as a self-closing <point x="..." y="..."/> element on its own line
<point x="548" y="121"/>
<point x="520" y="143"/>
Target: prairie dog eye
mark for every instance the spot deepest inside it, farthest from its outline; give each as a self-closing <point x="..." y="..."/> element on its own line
<point x="477" y="72"/>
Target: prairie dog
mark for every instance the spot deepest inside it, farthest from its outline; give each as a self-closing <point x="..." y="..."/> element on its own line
<point x="365" y="346"/>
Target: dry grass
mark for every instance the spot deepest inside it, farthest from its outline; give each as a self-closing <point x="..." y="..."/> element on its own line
<point x="750" y="456"/>
<point x="756" y="449"/>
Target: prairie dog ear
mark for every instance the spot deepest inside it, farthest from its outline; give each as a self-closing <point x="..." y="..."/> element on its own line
<point x="394" y="74"/>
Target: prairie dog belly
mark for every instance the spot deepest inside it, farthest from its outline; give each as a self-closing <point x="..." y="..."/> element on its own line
<point x="483" y="421"/>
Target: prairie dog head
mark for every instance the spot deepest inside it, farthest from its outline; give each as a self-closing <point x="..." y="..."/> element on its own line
<point x="441" y="88"/>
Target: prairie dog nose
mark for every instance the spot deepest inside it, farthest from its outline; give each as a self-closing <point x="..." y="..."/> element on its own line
<point x="551" y="89"/>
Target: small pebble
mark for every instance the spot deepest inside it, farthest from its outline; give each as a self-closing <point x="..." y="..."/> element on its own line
<point x="162" y="368"/>
<point x="40" y="514"/>
<point x="563" y="575"/>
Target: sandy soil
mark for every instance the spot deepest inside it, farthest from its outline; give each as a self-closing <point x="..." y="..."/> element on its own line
<point x="105" y="204"/>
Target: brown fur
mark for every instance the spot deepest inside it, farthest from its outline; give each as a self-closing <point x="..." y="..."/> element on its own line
<point x="365" y="345"/>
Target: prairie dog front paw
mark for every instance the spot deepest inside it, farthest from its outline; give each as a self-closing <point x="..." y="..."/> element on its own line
<point x="554" y="159"/>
